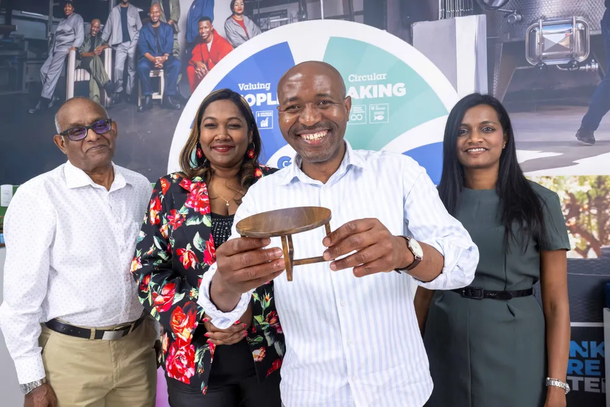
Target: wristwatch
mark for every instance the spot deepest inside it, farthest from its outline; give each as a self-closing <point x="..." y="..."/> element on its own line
<point x="417" y="252"/>
<point x="557" y="383"/>
<point x="28" y="387"/>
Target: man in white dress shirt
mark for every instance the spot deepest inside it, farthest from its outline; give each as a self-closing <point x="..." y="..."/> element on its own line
<point x="352" y="337"/>
<point x="71" y="316"/>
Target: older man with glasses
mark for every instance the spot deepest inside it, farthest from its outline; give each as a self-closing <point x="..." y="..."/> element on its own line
<point x="71" y="316"/>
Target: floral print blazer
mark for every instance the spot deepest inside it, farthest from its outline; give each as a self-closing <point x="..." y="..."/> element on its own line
<point x="175" y="248"/>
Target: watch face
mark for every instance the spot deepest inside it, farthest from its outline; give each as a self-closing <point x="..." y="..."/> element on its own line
<point x="416" y="248"/>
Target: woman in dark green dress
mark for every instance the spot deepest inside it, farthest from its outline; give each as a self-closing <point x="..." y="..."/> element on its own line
<point x="492" y="344"/>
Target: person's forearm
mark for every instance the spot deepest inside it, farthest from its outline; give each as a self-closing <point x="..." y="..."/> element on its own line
<point x="87" y="55"/>
<point x="557" y="316"/>
<point x="222" y="296"/>
<point x="149" y="57"/>
<point x="423" y="298"/>
<point x="431" y="265"/>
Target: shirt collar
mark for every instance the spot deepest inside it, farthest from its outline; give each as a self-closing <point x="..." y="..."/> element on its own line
<point x="350" y="159"/>
<point x="77" y="178"/>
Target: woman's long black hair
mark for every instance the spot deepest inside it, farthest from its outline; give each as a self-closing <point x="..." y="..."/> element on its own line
<point x="520" y="206"/>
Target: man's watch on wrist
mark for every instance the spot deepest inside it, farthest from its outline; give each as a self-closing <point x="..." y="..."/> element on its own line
<point x="29" y="387"/>
<point x="557" y="383"/>
<point x="417" y="252"/>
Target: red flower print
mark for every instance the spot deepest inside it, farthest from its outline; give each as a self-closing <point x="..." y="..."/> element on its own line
<point x="259" y="354"/>
<point x="277" y="363"/>
<point x="198" y="198"/>
<point x="136" y="264"/>
<point x="163" y="302"/>
<point x="188" y="258"/>
<point x="212" y="349"/>
<point x="180" y="364"/>
<point x="182" y="321"/>
<point x="209" y="256"/>
<point x="153" y="210"/>
<point x="145" y="282"/>
<point x="258" y="173"/>
<point x="175" y="218"/>
<point x="164" y="231"/>
<point x="272" y="318"/>
<point x="164" y="185"/>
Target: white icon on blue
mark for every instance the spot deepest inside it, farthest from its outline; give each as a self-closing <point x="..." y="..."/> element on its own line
<point x="264" y="119"/>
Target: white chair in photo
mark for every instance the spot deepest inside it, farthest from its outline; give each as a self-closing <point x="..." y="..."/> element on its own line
<point x="75" y="74"/>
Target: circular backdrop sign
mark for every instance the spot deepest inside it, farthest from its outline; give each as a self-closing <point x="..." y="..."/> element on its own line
<point x="400" y="100"/>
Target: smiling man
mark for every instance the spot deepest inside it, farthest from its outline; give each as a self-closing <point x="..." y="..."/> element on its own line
<point x="207" y="54"/>
<point x="351" y="331"/>
<point x="155" y="46"/>
<point x="71" y="316"/>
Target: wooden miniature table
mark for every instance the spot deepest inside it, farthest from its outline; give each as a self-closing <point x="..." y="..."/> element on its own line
<point x="284" y="223"/>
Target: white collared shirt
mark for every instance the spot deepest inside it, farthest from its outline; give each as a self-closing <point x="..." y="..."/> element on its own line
<point x="69" y="246"/>
<point x="355" y="341"/>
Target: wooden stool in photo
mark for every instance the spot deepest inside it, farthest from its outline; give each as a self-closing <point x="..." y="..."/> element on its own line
<point x="284" y="223"/>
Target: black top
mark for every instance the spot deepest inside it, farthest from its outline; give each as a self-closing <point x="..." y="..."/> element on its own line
<point x="166" y="9"/>
<point x="92" y="47"/>
<point x="233" y="362"/>
<point x="124" y="24"/>
<point x="156" y="29"/>
<point x="221" y="228"/>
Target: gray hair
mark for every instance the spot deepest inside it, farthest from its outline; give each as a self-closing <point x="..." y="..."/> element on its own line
<point x="58" y="127"/>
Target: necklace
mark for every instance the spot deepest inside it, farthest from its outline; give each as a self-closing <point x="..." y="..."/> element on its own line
<point x="227" y="201"/>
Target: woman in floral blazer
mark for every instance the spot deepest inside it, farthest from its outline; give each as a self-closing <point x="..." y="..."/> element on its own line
<point x="189" y="216"/>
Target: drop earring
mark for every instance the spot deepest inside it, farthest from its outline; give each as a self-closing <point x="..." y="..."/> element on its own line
<point x="201" y="160"/>
<point x="250" y="152"/>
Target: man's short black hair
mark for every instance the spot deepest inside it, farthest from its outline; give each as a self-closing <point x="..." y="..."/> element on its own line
<point x="205" y="18"/>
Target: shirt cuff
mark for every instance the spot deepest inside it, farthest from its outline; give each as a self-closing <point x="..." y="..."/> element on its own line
<point x="218" y="318"/>
<point x="460" y="264"/>
<point x="29" y="369"/>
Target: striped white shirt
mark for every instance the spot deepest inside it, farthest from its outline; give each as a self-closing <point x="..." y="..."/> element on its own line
<point x="355" y="341"/>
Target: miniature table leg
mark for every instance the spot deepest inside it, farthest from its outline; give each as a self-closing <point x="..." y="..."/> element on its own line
<point x="289" y="261"/>
<point x="288" y="254"/>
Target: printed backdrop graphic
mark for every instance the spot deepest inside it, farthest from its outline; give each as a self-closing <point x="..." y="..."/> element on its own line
<point x="400" y="100"/>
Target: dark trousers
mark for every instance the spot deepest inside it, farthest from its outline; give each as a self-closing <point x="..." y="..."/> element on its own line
<point x="600" y="103"/>
<point x="245" y="393"/>
<point x="171" y="69"/>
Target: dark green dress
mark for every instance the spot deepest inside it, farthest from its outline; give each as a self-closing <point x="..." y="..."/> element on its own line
<point x="492" y="353"/>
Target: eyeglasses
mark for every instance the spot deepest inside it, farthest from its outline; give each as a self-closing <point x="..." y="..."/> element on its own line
<point x="80" y="132"/>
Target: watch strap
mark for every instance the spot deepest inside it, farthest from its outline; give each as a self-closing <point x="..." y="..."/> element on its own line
<point x="416" y="259"/>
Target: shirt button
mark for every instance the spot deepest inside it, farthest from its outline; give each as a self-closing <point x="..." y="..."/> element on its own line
<point x="342" y="303"/>
<point x="349" y="342"/>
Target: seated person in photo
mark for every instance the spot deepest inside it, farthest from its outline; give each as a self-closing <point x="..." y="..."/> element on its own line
<point x="210" y="50"/>
<point x="170" y="14"/>
<point x="155" y="45"/>
<point x="239" y="28"/>
<point x="89" y="59"/>
<point x="197" y="10"/>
